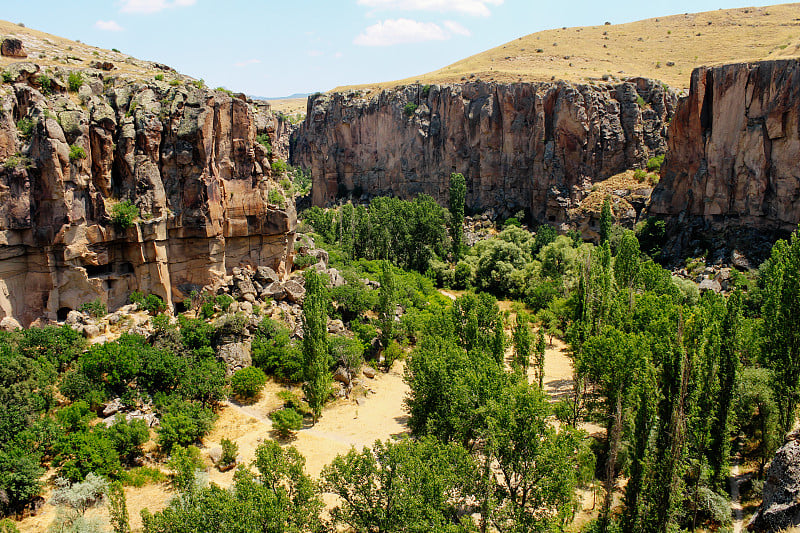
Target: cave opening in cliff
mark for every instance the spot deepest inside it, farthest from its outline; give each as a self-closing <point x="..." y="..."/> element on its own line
<point x="61" y="314"/>
<point x="94" y="271"/>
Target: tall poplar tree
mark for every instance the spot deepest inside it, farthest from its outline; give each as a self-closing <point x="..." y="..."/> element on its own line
<point x="318" y="379"/>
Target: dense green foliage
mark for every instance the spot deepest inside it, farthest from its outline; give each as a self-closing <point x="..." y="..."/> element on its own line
<point x="124" y="214"/>
<point x="248" y="382"/>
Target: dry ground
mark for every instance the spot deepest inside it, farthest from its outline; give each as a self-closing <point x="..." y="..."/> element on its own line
<point x="642" y="48"/>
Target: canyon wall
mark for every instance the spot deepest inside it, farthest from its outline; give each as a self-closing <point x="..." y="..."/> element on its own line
<point x="188" y="159"/>
<point x="532" y="146"/>
<point x="732" y="172"/>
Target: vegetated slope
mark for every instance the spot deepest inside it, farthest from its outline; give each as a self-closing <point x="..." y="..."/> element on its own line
<point x="665" y="48"/>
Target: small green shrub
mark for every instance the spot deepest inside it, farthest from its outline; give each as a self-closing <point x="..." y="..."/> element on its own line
<point x="229" y="452"/>
<point x="74" y="81"/>
<point x="292" y="400"/>
<point x="286" y="422"/>
<point x="46" y="84"/>
<point x="224" y="90"/>
<point x="286" y="185"/>
<point x="142" y="475"/>
<point x="409" y="109"/>
<point x="95" y="308"/>
<point x="304" y="261"/>
<point x="17" y="161"/>
<point x="640" y="101"/>
<point x="279" y="166"/>
<point x="123" y="214"/>
<point x="159" y="77"/>
<point x="175" y="82"/>
<point x="392" y="353"/>
<point x="426" y="89"/>
<point x="25" y="127"/>
<point x="7" y="77"/>
<point x="640" y="175"/>
<point x="150" y="303"/>
<point x="263" y="140"/>
<point x="76" y="153"/>
<point x="654" y="163"/>
<point x="275" y="197"/>
<point x="224" y="301"/>
<point x="247" y="382"/>
<point x="513" y="221"/>
<point x="115" y="50"/>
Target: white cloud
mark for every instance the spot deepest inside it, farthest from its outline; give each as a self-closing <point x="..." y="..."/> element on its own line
<point x="107" y="25"/>
<point x="151" y="6"/>
<point x="456" y="28"/>
<point x="467" y="7"/>
<point x="247" y="62"/>
<point x="400" y="31"/>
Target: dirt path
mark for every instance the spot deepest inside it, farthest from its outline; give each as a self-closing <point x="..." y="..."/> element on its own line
<point x="736" y="504"/>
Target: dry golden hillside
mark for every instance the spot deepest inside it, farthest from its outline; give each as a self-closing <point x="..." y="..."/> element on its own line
<point x="665" y="48"/>
<point x="52" y="51"/>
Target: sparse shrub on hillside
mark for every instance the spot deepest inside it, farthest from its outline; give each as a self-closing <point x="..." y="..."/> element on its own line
<point x="229" y="452"/>
<point x="409" y="109"/>
<point x="274" y="196"/>
<point x="175" y="82"/>
<point x="76" y="153"/>
<point x="74" y="81"/>
<point x="640" y="175"/>
<point x="640" y="101"/>
<point x="183" y="423"/>
<point x="123" y="214"/>
<point x="151" y="303"/>
<point x="279" y="166"/>
<point x="426" y="89"/>
<point x="159" y="77"/>
<point x="654" y="163"/>
<point x="95" y="308"/>
<point x="247" y="382"/>
<point x="25" y="127"/>
<point x="263" y="140"/>
<point x="7" y="77"/>
<point x="286" y="421"/>
<point x="45" y="84"/>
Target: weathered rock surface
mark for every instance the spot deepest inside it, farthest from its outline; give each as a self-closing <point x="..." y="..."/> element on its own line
<point x="732" y="166"/>
<point x="533" y="146"/>
<point x="13" y="48"/>
<point x="780" y="508"/>
<point x="186" y="157"/>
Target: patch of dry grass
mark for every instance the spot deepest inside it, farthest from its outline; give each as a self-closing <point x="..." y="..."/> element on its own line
<point x="665" y="48"/>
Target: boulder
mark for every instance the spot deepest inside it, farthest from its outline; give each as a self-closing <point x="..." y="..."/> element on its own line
<point x="103" y="65"/>
<point x="274" y="291"/>
<point x="113" y="407"/>
<point x="13" y="48"/>
<point x="710" y="285"/>
<point x="368" y="372"/>
<point x="336" y="327"/>
<point x="215" y="454"/>
<point x="74" y="318"/>
<point x="294" y="291"/>
<point x="265" y="275"/>
<point x="335" y="277"/>
<point x="780" y="508"/>
<point x="342" y="375"/>
<point x="235" y="355"/>
<point x="9" y="324"/>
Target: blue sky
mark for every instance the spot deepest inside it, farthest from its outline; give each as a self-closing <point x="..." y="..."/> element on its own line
<point x="275" y="48"/>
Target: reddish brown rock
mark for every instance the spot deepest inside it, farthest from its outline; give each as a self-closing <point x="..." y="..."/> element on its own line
<point x="732" y="166"/>
<point x="13" y="48"/>
<point x="186" y="157"/>
<point x="532" y="146"/>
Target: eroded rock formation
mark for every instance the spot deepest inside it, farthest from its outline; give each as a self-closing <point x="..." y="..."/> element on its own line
<point x="188" y="159"/>
<point x="780" y="508"/>
<point x="532" y="146"/>
<point x="732" y="165"/>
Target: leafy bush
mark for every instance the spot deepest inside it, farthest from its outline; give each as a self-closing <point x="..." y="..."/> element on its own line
<point x="175" y="82"/>
<point x="76" y="153"/>
<point x="248" y="382"/>
<point x="159" y="77"/>
<point x="85" y="451"/>
<point x="286" y="421"/>
<point x="7" y="77"/>
<point x="151" y="303"/>
<point x="184" y="423"/>
<point x="123" y="214"/>
<point x="264" y="140"/>
<point x="409" y="109"/>
<point x="74" y="81"/>
<point x="184" y="463"/>
<point x="273" y="351"/>
<point x="640" y="101"/>
<point x="46" y="84"/>
<point x="142" y="475"/>
<point x="640" y="175"/>
<point x="279" y="166"/>
<point x="654" y="163"/>
<point x="95" y="308"/>
<point x="229" y="452"/>
<point x="275" y="197"/>
<point x="346" y="352"/>
<point x="392" y="353"/>
<point x="25" y="127"/>
<point x="128" y="437"/>
<point x="304" y="261"/>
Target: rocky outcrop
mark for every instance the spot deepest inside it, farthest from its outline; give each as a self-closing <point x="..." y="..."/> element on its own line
<point x="13" y="48"/>
<point x="780" y="509"/>
<point x="185" y="156"/>
<point x="732" y="165"/>
<point x="531" y="146"/>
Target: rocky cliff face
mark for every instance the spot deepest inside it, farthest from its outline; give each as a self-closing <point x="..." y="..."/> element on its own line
<point x="188" y="159"/>
<point x="532" y="146"/>
<point x="732" y="164"/>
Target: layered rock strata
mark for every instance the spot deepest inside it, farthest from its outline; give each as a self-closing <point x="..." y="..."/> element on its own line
<point x="732" y="165"/>
<point x="185" y="156"/>
<point x="531" y="146"/>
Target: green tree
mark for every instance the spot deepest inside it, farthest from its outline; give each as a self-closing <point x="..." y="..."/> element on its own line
<point x="318" y="379"/>
<point x="606" y="220"/>
<point x="387" y="300"/>
<point x="118" y="508"/>
<point x="408" y="485"/>
<point x="521" y="339"/>
<point x="458" y="194"/>
<point x="248" y="382"/>
<point x="541" y="346"/>
<point x="779" y="278"/>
